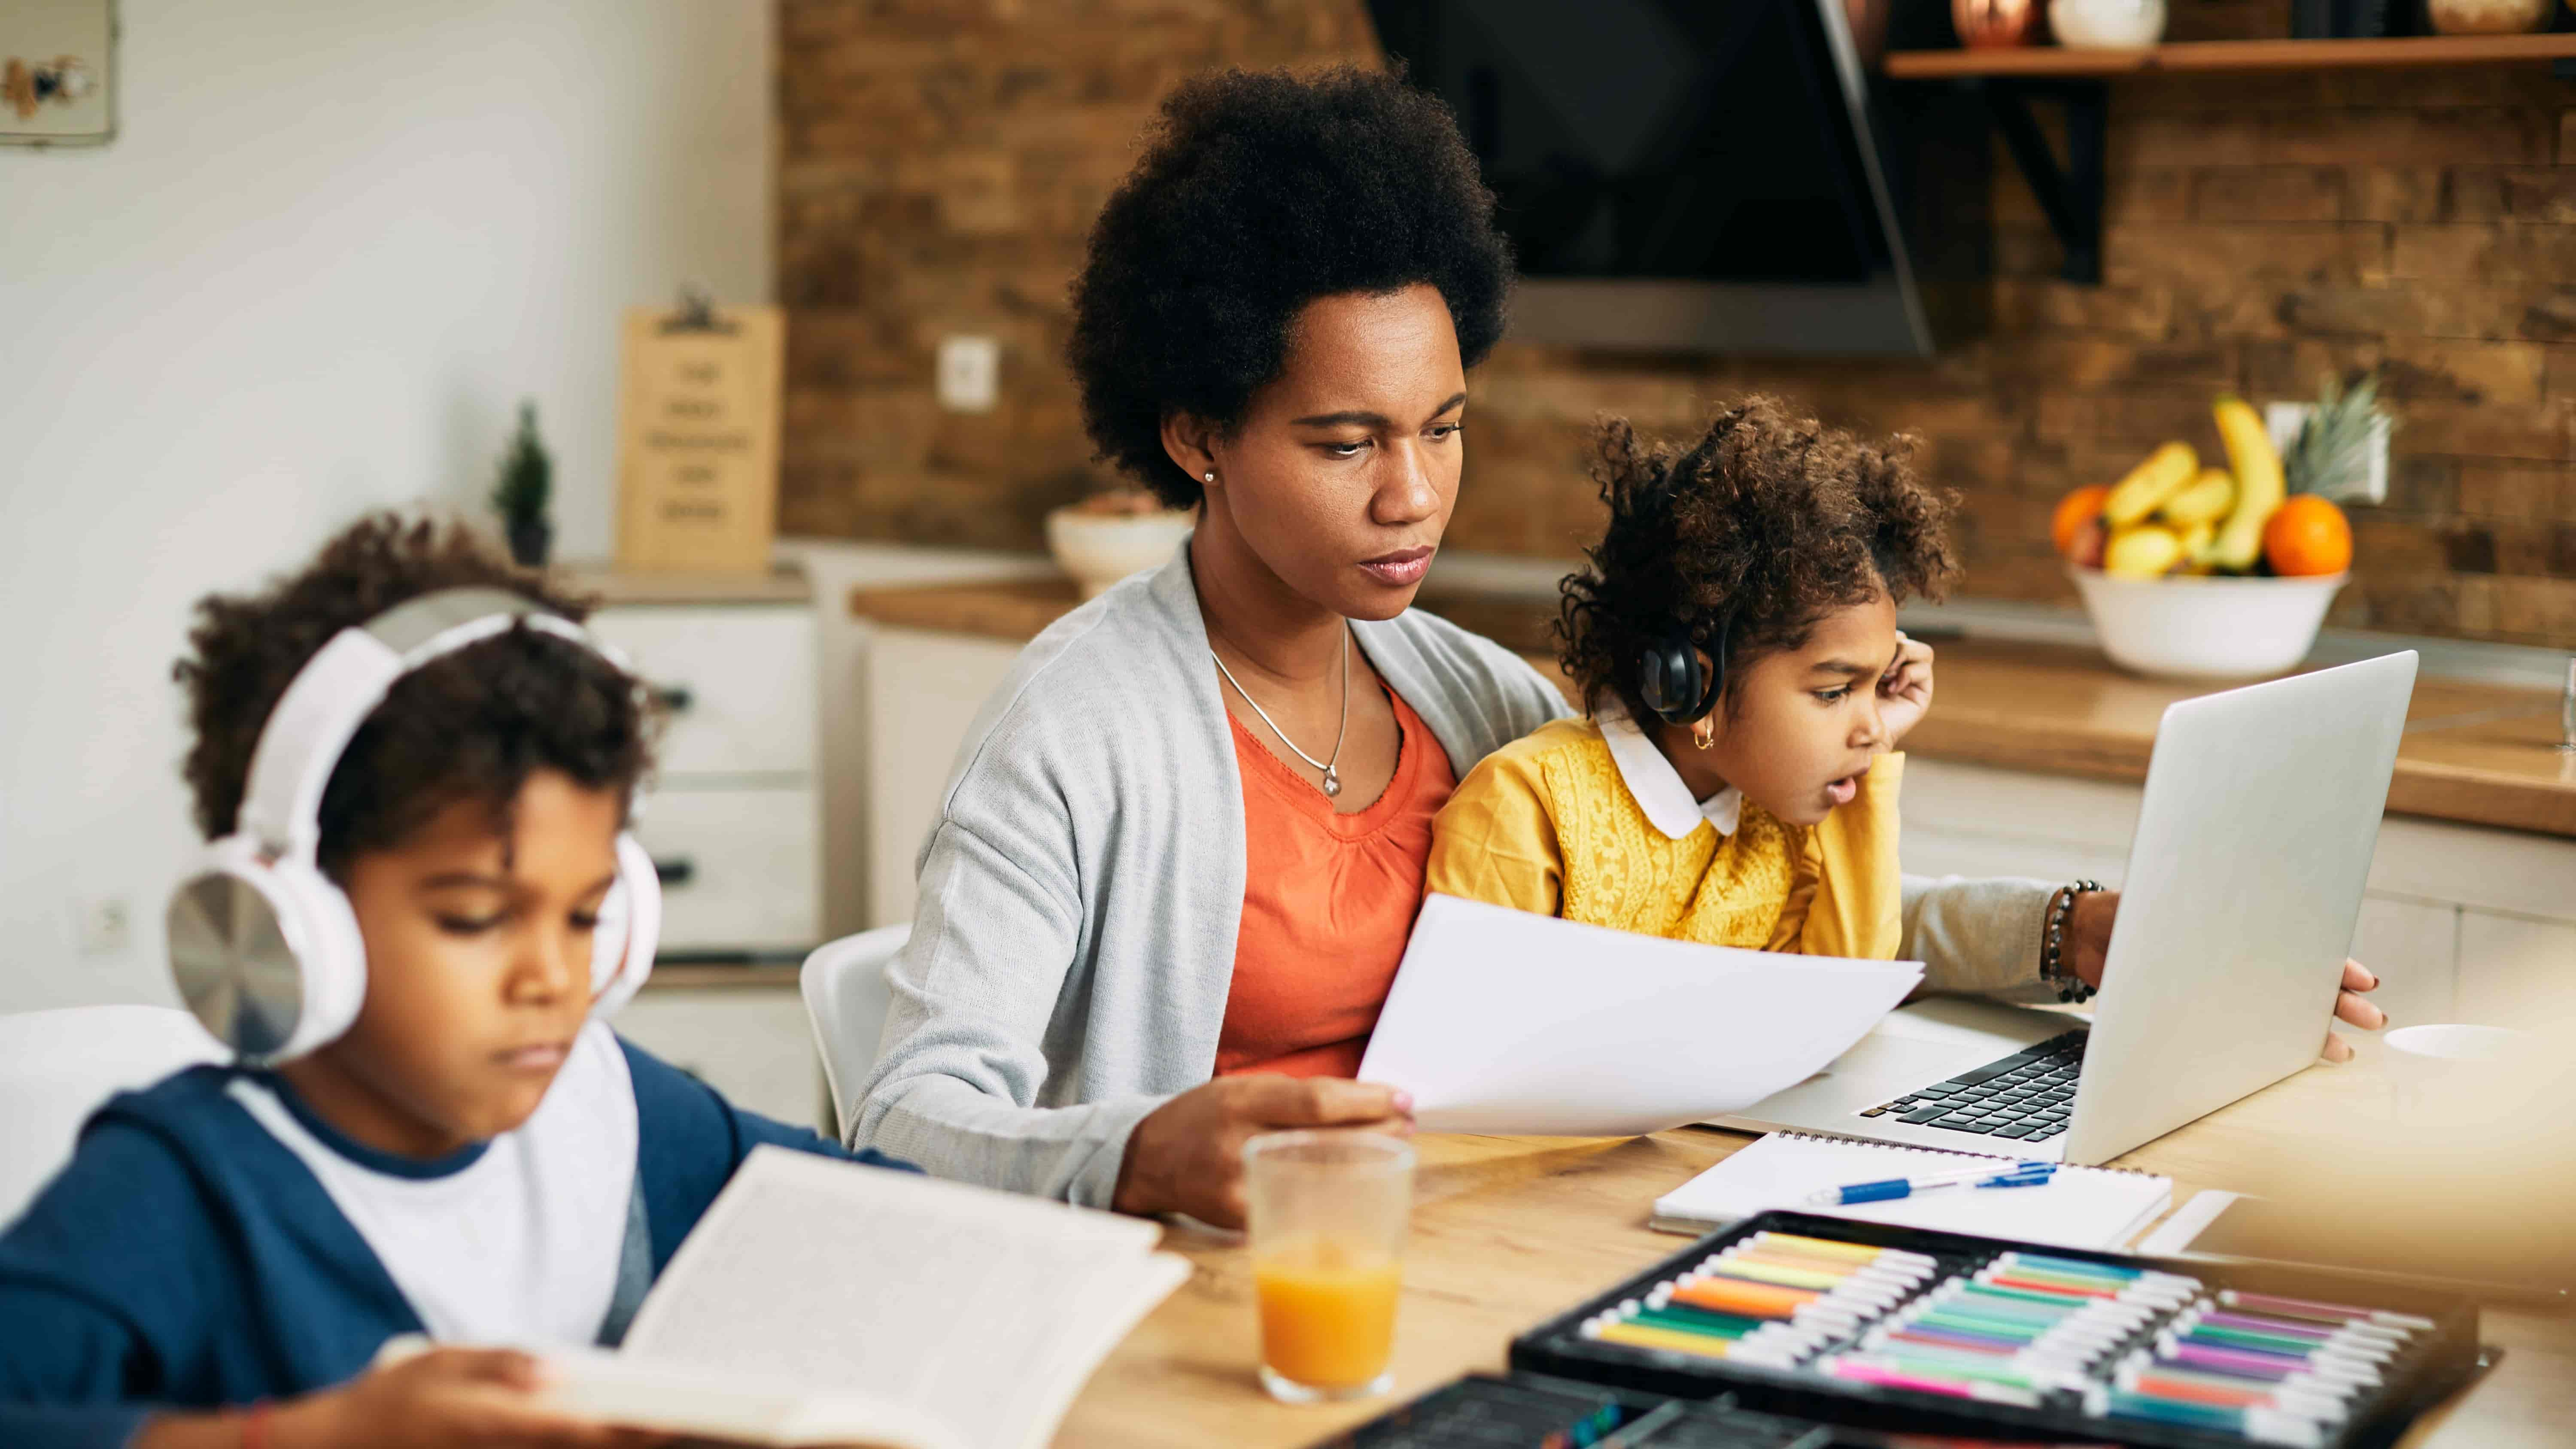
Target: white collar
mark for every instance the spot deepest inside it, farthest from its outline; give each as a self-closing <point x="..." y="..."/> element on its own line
<point x="1656" y="786"/>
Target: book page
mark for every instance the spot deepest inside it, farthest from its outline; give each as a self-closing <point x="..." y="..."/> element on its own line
<point x="976" y="1306"/>
<point x="1503" y="1021"/>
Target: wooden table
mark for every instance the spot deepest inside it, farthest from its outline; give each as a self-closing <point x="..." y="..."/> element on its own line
<point x="1510" y="1231"/>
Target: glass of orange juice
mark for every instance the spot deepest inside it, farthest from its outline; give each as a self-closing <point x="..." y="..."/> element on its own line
<point x="1327" y="1217"/>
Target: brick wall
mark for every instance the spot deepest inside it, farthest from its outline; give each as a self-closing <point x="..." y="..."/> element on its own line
<point x="938" y="164"/>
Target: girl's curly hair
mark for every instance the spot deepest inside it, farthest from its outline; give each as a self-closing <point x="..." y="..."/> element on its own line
<point x="1754" y="532"/>
<point x="470" y="726"/>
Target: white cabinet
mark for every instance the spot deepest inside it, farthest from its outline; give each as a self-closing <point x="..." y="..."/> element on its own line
<point x="734" y="817"/>
<point x="749" y="1042"/>
<point x="923" y="692"/>
<point x="2515" y="970"/>
<point x="2461" y="923"/>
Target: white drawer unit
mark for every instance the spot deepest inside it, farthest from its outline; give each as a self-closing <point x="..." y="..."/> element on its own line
<point x="734" y="817"/>
<point x="737" y="685"/>
<point x="741" y="869"/>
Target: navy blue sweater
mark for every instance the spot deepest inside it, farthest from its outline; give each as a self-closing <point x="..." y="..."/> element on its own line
<point x="186" y="1259"/>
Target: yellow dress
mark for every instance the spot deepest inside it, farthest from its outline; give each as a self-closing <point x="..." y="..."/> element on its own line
<point x="1547" y="824"/>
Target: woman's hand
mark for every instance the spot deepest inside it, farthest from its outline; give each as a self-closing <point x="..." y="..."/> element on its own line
<point x="2088" y="932"/>
<point x="1905" y="690"/>
<point x="1187" y="1156"/>
<point x="446" y="1398"/>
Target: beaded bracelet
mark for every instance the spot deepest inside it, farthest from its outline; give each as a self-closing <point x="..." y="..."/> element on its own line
<point x="2052" y="946"/>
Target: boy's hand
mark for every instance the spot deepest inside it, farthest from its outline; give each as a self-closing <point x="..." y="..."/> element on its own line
<point x="1905" y="690"/>
<point x="445" y="1397"/>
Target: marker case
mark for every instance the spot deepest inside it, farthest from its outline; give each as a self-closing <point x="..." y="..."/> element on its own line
<point x="2430" y="1364"/>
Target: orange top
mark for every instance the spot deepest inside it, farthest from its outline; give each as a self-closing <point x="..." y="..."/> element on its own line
<point x="1328" y="900"/>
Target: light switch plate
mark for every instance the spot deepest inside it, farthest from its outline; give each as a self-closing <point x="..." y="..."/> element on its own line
<point x="969" y="373"/>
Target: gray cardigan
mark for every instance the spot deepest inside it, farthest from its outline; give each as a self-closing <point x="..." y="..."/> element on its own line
<point x="1074" y="940"/>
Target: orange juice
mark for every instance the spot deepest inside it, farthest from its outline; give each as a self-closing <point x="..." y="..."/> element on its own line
<point x="1327" y="1311"/>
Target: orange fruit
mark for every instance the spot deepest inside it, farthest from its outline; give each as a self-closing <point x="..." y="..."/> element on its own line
<point x="2307" y="535"/>
<point x="2074" y="511"/>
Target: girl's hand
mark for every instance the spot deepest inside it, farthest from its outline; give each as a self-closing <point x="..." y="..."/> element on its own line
<point x="2088" y="930"/>
<point x="1905" y="690"/>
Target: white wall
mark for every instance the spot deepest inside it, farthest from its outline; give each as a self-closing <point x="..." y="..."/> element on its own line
<point x="330" y="248"/>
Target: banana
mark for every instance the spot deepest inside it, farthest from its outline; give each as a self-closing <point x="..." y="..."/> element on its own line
<point x="2259" y="487"/>
<point x="2143" y="551"/>
<point x="2205" y="501"/>
<point x="2196" y="541"/>
<point x="2167" y="470"/>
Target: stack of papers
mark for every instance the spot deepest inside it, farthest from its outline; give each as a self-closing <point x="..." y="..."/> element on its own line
<point x="1503" y="1021"/>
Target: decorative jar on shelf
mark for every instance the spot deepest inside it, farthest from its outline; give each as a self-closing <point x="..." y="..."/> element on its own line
<point x="2107" y="24"/>
<point x="2488" y="17"/>
<point x="1983" y="24"/>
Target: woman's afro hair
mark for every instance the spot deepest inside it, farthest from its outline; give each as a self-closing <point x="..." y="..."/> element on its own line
<point x="1757" y="530"/>
<point x="472" y="725"/>
<point x="1260" y="191"/>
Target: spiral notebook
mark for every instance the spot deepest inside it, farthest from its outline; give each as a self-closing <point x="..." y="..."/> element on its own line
<point x="2081" y="1207"/>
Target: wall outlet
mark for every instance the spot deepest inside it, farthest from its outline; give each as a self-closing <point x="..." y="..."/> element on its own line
<point x="970" y="373"/>
<point x="102" y="925"/>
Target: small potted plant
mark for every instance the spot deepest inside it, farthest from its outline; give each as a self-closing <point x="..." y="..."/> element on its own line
<point x="525" y="486"/>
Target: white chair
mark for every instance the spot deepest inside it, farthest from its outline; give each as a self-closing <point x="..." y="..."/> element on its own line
<point x="846" y="997"/>
<point x="58" y="1066"/>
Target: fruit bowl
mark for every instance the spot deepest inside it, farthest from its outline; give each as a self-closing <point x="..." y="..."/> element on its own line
<point x="2206" y="628"/>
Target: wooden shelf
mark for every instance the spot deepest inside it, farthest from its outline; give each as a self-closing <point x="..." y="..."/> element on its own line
<point x="2232" y="55"/>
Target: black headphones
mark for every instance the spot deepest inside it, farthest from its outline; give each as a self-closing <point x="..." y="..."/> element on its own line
<point x="1674" y="685"/>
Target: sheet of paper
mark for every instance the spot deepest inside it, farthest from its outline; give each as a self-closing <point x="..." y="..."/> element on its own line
<point x="987" y="1308"/>
<point x="1502" y="1021"/>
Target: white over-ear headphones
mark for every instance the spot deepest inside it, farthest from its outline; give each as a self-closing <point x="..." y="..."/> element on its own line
<point x="263" y="946"/>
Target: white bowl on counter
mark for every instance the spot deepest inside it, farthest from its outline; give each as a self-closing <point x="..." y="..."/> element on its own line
<point x="2107" y="24"/>
<point x="1099" y="549"/>
<point x="2206" y="628"/>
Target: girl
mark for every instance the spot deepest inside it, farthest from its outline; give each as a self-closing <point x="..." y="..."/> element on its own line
<point x="1736" y="644"/>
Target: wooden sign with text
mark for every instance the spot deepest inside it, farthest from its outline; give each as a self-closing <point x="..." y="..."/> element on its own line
<point x="697" y="441"/>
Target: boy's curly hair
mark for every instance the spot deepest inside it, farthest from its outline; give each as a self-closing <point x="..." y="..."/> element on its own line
<point x="470" y="726"/>
<point x="1260" y="191"/>
<point x="1759" y="528"/>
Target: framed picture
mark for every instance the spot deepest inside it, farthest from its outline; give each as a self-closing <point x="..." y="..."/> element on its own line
<point x="57" y="72"/>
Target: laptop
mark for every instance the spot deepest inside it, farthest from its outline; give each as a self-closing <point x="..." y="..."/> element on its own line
<point x="2245" y="877"/>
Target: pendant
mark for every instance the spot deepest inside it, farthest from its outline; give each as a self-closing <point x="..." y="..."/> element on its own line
<point x="1332" y="781"/>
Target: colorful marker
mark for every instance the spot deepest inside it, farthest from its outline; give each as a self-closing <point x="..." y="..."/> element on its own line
<point x="1929" y="1383"/>
<point x="2321" y="1312"/>
<point x="2254" y="1421"/>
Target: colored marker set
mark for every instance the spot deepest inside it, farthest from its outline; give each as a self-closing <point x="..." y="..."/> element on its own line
<point x="1773" y="1298"/>
<point x="1900" y="1327"/>
<point x="2014" y="1331"/>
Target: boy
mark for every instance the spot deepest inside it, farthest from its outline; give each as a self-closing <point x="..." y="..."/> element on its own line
<point x="476" y="1156"/>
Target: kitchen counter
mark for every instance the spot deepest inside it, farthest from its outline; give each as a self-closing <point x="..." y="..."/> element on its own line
<point x="2474" y="753"/>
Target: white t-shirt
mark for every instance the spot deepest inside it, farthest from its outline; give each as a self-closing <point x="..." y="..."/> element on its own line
<point x="516" y="1241"/>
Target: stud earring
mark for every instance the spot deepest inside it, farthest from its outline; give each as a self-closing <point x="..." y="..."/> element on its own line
<point x="1211" y="477"/>
<point x="1704" y="732"/>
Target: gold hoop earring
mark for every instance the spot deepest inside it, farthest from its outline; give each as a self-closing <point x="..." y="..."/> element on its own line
<point x="1704" y="732"/>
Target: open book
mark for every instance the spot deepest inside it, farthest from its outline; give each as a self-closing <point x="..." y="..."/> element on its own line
<point x="819" y="1302"/>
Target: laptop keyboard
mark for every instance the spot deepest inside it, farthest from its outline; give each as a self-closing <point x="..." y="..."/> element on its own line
<point x="2024" y="1096"/>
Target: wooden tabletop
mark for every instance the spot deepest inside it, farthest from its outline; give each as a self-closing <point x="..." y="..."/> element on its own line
<point x="2474" y="753"/>
<point x="1508" y="1232"/>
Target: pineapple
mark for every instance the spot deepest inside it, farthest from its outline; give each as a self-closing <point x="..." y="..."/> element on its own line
<point x="2332" y="451"/>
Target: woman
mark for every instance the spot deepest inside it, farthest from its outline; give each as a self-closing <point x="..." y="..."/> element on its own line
<point x="1180" y="854"/>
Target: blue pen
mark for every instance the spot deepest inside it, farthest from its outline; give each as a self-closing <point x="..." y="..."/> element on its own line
<point x="2019" y="1174"/>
